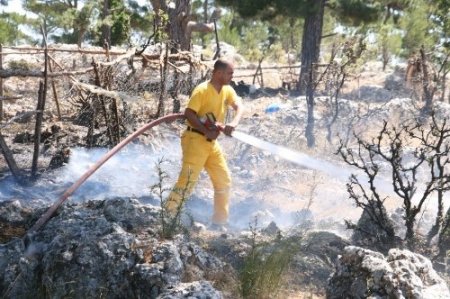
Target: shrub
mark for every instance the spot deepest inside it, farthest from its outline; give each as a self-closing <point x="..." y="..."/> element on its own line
<point x="171" y="221"/>
<point x="264" y="266"/>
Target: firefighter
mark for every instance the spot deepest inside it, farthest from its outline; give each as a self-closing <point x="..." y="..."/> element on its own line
<point x="208" y="102"/>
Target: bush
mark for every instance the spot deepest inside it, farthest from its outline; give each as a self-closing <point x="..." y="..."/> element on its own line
<point x="264" y="266"/>
<point x="171" y="221"/>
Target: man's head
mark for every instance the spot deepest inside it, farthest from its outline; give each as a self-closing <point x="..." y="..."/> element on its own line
<point x="223" y="72"/>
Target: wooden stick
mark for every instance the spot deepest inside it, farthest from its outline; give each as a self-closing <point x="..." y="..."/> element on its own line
<point x="100" y="91"/>
<point x="10" y="159"/>
<point x="216" y="55"/>
<point x="95" y="89"/>
<point x="34" y="73"/>
<point x="176" y="57"/>
<point x="40" y="107"/>
<point x="163" y="76"/>
<point x="81" y="51"/>
<point x="175" y="67"/>
<point x="37" y="129"/>
<point x="55" y="95"/>
<point x="1" y="83"/>
<point x="109" y="130"/>
<point x="61" y="68"/>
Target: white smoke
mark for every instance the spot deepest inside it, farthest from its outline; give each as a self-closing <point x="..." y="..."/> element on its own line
<point x="129" y="173"/>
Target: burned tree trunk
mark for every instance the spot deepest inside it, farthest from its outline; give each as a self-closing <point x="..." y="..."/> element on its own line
<point x="428" y="88"/>
<point x="106" y="29"/>
<point x="311" y="43"/>
<point x="9" y="158"/>
<point x="309" y="131"/>
<point x="37" y="131"/>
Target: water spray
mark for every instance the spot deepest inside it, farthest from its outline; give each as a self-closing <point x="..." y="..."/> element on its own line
<point x="292" y="156"/>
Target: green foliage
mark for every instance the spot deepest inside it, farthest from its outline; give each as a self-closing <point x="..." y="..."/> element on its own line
<point x="441" y="20"/>
<point x="67" y="22"/>
<point x="290" y="33"/>
<point x="417" y="31"/>
<point x="264" y="266"/>
<point x="389" y="43"/>
<point x="268" y="9"/>
<point x="228" y="32"/>
<point x="171" y="224"/>
<point x="246" y="8"/>
<point x="253" y="37"/>
<point x="9" y="28"/>
<point x="51" y="15"/>
<point x="357" y="12"/>
<point x="120" y="29"/>
<point x="276" y="53"/>
<point x="141" y="18"/>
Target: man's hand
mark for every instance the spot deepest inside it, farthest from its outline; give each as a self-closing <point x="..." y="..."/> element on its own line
<point x="228" y="130"/>
<point x="212" y="134"/>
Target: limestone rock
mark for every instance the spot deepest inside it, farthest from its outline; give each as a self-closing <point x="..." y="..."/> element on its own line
<point x="105" y="249"/>
<point x="363" y="273"/>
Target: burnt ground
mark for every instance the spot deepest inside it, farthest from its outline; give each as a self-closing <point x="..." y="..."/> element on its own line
<point x="264" y="186"/>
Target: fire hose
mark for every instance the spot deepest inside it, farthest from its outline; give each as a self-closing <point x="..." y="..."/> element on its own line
<point x="283" y="152"/>
<point x="49" y="213"/>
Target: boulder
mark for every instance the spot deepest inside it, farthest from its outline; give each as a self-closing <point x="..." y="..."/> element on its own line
<point x="363" y="273"/>
<point x="104" y="248"/>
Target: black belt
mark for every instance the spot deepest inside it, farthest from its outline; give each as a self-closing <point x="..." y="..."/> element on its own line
<point x="197" y="131"/>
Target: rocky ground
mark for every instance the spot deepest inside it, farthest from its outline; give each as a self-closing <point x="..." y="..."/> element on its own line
<point x="109" y="229"/>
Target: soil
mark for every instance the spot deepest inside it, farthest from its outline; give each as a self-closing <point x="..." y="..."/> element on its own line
<point x="263" y="185"/>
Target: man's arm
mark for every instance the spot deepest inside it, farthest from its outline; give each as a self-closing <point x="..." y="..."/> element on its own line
<point x="239" y="109"/>
<point x="193" y="119"/>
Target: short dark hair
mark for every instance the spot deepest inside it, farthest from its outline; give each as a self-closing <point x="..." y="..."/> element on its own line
<point x="221" y="64"/>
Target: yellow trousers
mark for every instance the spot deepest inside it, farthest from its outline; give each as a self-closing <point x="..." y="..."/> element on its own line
<point x="199" y="154"/>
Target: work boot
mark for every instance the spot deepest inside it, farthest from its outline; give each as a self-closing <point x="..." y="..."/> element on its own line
<point x="220" y="215"/>
<point x="220" y="228"/>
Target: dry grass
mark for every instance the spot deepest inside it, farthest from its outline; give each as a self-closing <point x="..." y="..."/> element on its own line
<point x="9" y="231"/>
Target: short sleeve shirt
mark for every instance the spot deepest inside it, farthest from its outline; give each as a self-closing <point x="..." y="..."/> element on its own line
<point x="205" y="98"/>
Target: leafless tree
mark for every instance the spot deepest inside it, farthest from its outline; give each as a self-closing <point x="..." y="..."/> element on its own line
<point x="430" y="159"/>
<point x="337" y="74"/>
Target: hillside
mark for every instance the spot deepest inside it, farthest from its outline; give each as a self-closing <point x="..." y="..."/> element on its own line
<point x="109" y="229"/>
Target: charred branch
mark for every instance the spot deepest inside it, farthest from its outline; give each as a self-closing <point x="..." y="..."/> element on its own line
<point x="390" y="146"/>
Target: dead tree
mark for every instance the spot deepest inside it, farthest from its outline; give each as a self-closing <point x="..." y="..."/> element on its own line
<point x="390" y="145"/>
<point x="337" y="74"/>
<point x="369" y="200"/>
<point x="436" y="148"/>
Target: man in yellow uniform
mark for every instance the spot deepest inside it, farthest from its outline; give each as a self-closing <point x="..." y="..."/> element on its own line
<point x="199" y="145"/>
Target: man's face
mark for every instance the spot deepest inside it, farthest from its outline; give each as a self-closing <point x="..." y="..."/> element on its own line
<point x="227" y="75"/>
